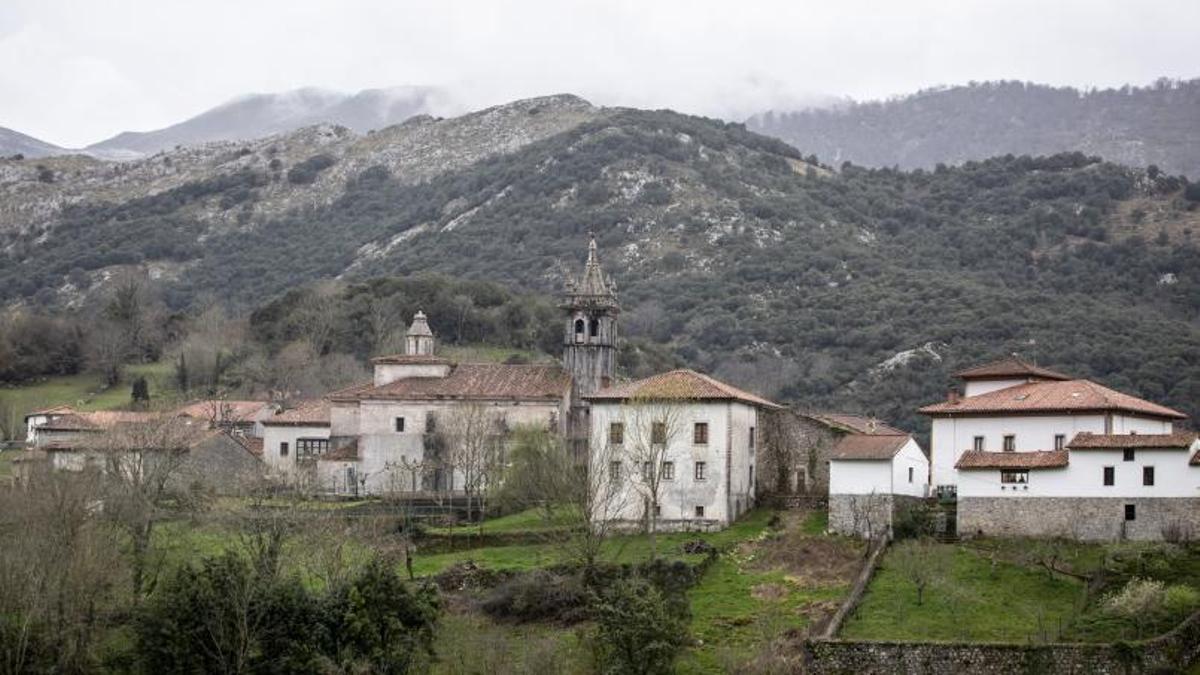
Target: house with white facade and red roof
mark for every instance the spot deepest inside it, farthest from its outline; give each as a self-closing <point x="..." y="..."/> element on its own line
<point x="1029" y="451"/>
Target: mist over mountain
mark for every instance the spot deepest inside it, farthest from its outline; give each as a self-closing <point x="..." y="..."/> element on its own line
<point x="735" y="254"/>
<point x="259" y="115"/>
<point x="17" y="143"/>
<point x="1137" y="126"/>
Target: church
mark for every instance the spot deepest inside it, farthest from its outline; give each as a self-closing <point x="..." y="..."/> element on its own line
<point x="426" y="424"/>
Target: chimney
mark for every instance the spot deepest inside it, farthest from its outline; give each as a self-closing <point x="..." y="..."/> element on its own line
<point x="953" y="397"/>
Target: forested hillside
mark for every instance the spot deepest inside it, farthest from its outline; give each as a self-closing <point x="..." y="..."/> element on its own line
<point x="855" y="288"/>
<point x="1137" y="126"/>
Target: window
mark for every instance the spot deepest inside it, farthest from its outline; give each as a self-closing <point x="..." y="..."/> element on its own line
<point x="1060" y="441"/>
<point x="1128" y="457"/>
<point x="658" y="510"/>
<point x="978" y="444"/>
<point x="701" y="470"/>
<point x="910" y="474"/>
<point x="751" y="439"/>
<point x="616" y="433"/>
<point x="614" y="471"/>
<point x="311" y="448"/>
<point x="594" y="327"/>
<point x="283" y="449"/>
<point x="1110" y="475"/>
<point x="1015" y="477"/>
<point x="647" y="471"/>
<point x="699" y="511"/>
<point x="1131" y="512"/>
<point x="579" y="334"/>
<point x="658" y="433"/>
<point x="751" y="478"/>
<point x="1147" y="475"/>
<point x="668" y="470"/>
<point x="700" y="433"/>
<point x="1010" y="442"/>
<point x="399" y="425"/>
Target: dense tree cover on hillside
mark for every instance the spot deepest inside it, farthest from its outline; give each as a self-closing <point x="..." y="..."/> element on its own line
<point x="861" y="288"/>
<point x="1140" y="126"/>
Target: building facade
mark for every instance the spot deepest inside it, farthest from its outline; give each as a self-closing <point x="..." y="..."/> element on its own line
<point x="871" y="478"/>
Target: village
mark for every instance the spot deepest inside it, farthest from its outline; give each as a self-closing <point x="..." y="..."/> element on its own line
<point x="480" y="476"/>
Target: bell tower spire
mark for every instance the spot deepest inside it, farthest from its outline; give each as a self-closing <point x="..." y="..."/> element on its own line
<point x="590" y="338"/>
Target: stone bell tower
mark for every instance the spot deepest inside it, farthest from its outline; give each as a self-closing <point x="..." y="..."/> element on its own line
<point x="590" y="331"/>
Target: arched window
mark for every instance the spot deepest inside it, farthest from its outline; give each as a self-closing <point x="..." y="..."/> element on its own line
<point x="579" y="326"/>
<point x="594" y="327"/>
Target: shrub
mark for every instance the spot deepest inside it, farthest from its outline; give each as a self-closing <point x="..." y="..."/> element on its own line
<point x="636" y="630"/>
<point x="538" y="596"/>
<point x="307" y="171"/>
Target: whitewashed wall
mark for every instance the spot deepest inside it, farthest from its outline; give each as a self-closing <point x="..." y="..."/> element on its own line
<point x="1084" y="477"/>
<point x="882" y="476"/>
<point x="274" y="434"/>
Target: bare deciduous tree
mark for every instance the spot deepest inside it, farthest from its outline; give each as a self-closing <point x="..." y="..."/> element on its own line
<point x="474" y="441"/>
<point x="650" y="427"/>
<point x="922" y="562"/>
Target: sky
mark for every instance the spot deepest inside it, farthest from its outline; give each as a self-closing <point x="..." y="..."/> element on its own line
<point x="76" y="72"/>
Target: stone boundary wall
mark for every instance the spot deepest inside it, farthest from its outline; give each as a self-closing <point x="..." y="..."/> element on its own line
<point x="795" y="501"/>
<point x="1083" y="518"/>
<point x="851" y="514"/>
<point x="1170" y="652"/>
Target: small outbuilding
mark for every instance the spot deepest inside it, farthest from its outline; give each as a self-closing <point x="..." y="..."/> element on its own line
<point x="872" y="477"/>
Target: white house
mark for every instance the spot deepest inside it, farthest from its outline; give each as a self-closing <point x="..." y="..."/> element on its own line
<point x="682" y="438"/>
<point x="1030" y="451"/>
<point x="871" y="477"/>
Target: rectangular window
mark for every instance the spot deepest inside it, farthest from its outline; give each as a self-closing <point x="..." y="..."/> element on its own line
<point x="699" y="511"/>
<point x="399" y="425"/>
<point x="1010" y="443"/>
<point x="668" y="470"/>
<point x="311" y="448"/>
<point x="283" y="448"/>
<point x="616" y="433"/>
<point x="1060" y="441"/>
<point x="1128" y="457"/>
<point x="658" y="433"/>
<point x="910" y="474"/>
<point x="1110" y="475"/>
<point x="701" y="470"/>
<point x="658" y="510"/>
<point x="752" y="439"/>
<point x="1015" y="477"/>
<point x="647" y="471"/>
<point x="1130" y="512"/>
<point x="614" y="471"/>
<point x="1147" y="475"/>
<point x="978" y="444"/>
<point x="751" y="478"/>
<point x="700" y="433"/>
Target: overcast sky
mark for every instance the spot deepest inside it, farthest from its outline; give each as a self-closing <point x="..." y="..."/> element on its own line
<point x="73" y="73"/>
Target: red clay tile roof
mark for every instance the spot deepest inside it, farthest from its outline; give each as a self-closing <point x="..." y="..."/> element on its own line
<point x="868" y="446"/>
<point x="55" y="410"/>
<point x="1012" y="366"/>
<point x="1040" y="459"/>
<point x="1195" y="460"/>
<point x="1036" y="397"/>
<point x="857" y="424"/>
<point x="484" y="381"/>
<point x="236" y="411"/>
<point x="252" y="444"/>
<point x="1180" y="440"/>
<point x="680" y="384"/>
<point x="345" y="453"/>
<point x="97" y="421"/>
<point x="411" y="358"/>
<point x="313" y="413"/>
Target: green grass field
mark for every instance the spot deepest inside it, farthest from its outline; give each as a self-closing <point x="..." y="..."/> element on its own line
<point x="1004" y="602"/>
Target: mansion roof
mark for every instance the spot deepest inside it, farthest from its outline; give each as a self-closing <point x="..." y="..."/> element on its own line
<point x="868" y="446"/>
<point x="472" y="381"/>
<point x="1009" y="367"/>
<point x="1180" y="440"/>
<point x="854" y="424"/>
<point x="99" y="420"/>
<point x="1069" y="396"/>
<point x="226" y="411"/>
<point x="314" y="413"/>
<point x="1040" y="459"/>
<point x="681" y="385"/>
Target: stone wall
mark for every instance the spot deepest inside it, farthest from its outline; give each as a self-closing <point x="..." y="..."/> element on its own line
<point x="1082" y="518"/>
<point x="793" y="443"/>
<point x="1167" y="653"/>
<point x="867" y="516"/>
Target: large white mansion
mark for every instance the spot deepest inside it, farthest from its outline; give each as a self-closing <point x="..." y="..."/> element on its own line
<point x="1033" y="452"/>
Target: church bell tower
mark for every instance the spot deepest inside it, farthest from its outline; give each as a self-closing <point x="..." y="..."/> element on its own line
<point x="590" y="335"/>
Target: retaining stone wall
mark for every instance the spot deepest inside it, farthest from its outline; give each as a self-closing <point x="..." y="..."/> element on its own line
<point x="1087" y="519"/>
<point x="867" y="516"/>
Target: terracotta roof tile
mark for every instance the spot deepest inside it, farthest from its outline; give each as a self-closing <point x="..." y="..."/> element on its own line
<point x="858" y="424"/>
<point x="305" y="413"/>
<point x="474" y="381"/>
<point x="1066" y="396"/>
<point x="1039" y="459"/>
<point x="1012" y="366"/>
<point x="1180" y="440"/>
<point x="252" y="444"/>
<point x="344" y="453"/>
<point x="55" y="410"/>
<point x="680" y="384"/>
<point x="868" y="446"/>
<point x="98" y="420"/>
<point x="236" y="411"/>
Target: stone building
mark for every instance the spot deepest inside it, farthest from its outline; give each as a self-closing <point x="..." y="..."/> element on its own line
<point x="872" y="477"/>
<point x="796" y="466"/>
<point x="1029" y="451"/>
